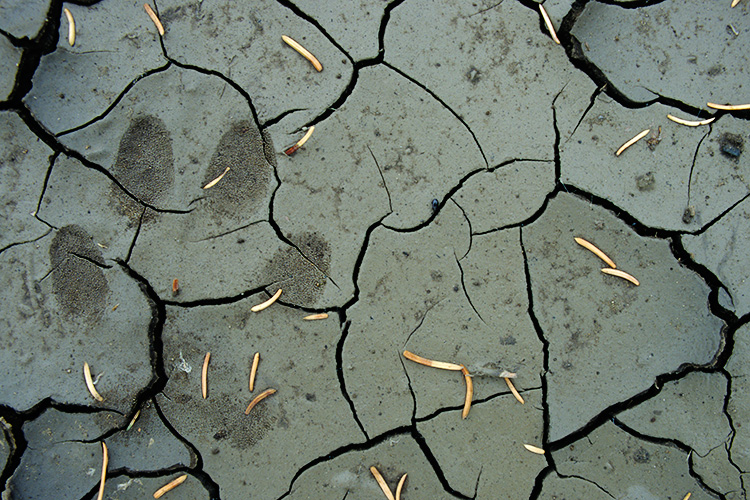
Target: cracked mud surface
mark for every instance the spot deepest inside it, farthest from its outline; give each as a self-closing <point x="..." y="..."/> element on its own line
<point x="457" y="153"/>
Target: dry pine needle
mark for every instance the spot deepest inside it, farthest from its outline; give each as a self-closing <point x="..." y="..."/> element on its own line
<point x="381" y="482"/>
<point x="170" y="486"/>
<point x="595" y="250"/>
<point x="267" y="303"/>
<point x="429" y="362"/>
<point x="90" y="382"/>
<point x="303" y="51"/>
<point x="621" y="274"/>
<point x="632" y="141"/>
<point x="260" y="397"/>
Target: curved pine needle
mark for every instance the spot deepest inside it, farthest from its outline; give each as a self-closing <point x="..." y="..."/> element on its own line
<point x="632" y="141"/>
<point x="400" y="486"/>
<point x="71" y="27"/>
<point x="621" y="274"/>
<point x="154" y="18"/>
<point x="469" y="392"/>
<point x="289" y="151"/>
<point x="260" y="397"/>
<point x="595" y="250"/>
<point x="267" y="303"/>
<point x="170" y="486"/>
<point x="105" y="462"/>
<point x="303" y="51"/>
<point x="690" y="123"/>
<point x="90" y="382"/>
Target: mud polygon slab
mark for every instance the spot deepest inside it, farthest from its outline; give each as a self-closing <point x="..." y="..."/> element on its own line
<point x="486" y="328"/>
<point x="497" y="71"/>
<point x="481" y="452"/>
<point x="598" y="326"/>
<point x="23" y="18"/>
<point x="229" y="264"/>
<point x="69" y="307"/>
<point x="555" y="486"/>
<point x="505" y="196"/>
<point x="148" y="445"/>
<point x="738" y="405"/>
<point x="689" y="410"/>
<point x="650" y="179"/>
<point x="718" y="473"/>
<point x="629" y="468"/>
<point x="10" y="56"/>
<point x="243" y="42"/>
<point x="138" y="488"/>
<point x="355" y="25"/>
<point x="115" y="44"/>
<point x="684" y="51"/>
<point x="24" y="161"/>
<point x="7" y="443"/>
<point x="56" y="463"/>
<point x="721" y="175"/>
<point x="297" y="358"/>
<point x="77" y="195"/>
<point x="174" y="132"/>
<point x="403" y="276"/>
<point x="722" y="249"/>
<point x="348" y="475"/>
<point x="387" y="114"/>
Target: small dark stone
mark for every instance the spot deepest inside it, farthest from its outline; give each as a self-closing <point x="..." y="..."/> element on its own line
<point x="688" y="214"/>
<point x="641" y="456"/>
<point x="435" y="205"/>
<point x="731" y="145"/>
<point x="645" y="182"/>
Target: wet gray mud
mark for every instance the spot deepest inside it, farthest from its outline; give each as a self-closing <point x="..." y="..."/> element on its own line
<point x="154" y="194"/>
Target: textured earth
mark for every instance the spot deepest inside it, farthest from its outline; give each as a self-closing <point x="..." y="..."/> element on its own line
<point x="458" y="151"/>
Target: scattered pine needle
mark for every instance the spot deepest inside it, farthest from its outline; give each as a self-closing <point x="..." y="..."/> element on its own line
<point x="170" y="486"/>
<point x="400" y="486"/>
<point x="621" y="274"/>
<point x="267" y="303"/>
<point x="132" y="422"/>
<point x="313" y="317"/>
<point x="215" y="181"/>
<point x="548" y="22"/>
<point x="105" y="462"/>
<point x="260" y="397"/>
<point x="514" y="390"/>
<point x="534" y="449"/>
<point x="469" y="392"/>
<point x="687" y="497"/>
<point x="204" y="375"/>
<point x="90" y="382"/>
<point x="381" y="482"/>
<point x="292" y="149"/>
<point x="734" y="4"/>
<point x="690" y="123"/>
<point x="593" y="249"/>
<point x="429" y="362"/>
<point x="71" y="27"/>
<point x="729" y="107"/>
<point x="632" y="141"/>
<point x="154" y="18"/>
<point x="254" y="370"/>
<point x="305" y="53"/>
